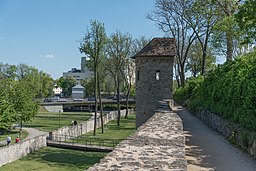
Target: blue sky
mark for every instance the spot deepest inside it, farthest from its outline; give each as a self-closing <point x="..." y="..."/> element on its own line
<point x="45" y="34"/>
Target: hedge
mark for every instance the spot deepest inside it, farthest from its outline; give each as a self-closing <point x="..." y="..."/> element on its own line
<point x="228" y="91"/>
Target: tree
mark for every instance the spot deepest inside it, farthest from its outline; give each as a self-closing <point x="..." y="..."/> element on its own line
<point x="92" y="45"/>
<point x="129" y="70"/>
<point x="201" y="16"/>
<point x="118" y="49"/>
<point x="194" y="63"/>
<point x="225" y="30"/>
<point x="169" y="18"/>
<point x="66" y="84"/>
<point x="247" y="21"/>
<point x="7" y="111"/>
<point x="8" y="71"/>
<point x="24" y="105"/>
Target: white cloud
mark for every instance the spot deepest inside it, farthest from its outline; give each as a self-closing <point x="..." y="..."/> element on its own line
<point x="48" y="56"/>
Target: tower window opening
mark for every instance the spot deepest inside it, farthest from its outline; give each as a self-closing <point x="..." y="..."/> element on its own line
<point x="157" y="75"/>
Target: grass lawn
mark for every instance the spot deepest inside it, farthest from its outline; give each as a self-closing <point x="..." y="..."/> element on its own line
<point x="55" y="159"/>
<point x="112" y="135"/>
<point x="14" y="133"/>
<point x="46" y="121"/>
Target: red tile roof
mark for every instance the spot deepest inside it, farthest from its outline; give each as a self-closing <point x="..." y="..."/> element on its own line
<point x="162" y="47"/>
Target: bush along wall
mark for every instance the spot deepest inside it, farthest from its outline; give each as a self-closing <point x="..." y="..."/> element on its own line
<point x="229" y="91"/>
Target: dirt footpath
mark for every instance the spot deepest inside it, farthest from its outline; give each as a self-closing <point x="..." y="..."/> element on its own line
<point x="207" y="150"/>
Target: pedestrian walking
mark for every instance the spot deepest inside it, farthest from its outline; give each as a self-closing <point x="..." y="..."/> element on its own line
<point x="9" y="139"/>
<point x="75" y="122"/>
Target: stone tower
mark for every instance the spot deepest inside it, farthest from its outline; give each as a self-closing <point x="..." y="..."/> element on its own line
<point x="154" y="76"/>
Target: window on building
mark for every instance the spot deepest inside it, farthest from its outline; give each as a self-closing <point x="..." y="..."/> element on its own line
<point x="157" y="75"/>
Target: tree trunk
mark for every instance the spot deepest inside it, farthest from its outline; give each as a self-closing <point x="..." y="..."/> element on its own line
<point x="96" y="103"/>
<point x="127" y="102"/>
<point x="182" y="75"/>
<point x="101" y="106"/>
<point x="118" y="99"/>
<point x="229" y="38"/>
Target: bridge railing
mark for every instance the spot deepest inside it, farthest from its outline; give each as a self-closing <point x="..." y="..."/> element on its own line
<point x="87" y="141"/>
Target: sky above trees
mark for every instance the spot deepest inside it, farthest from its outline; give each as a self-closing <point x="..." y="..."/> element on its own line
<point x="46" y="34"/>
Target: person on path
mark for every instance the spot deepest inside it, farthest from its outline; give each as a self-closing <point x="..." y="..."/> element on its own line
<point x="9" y="139"/>
<point x="17" y="140"/>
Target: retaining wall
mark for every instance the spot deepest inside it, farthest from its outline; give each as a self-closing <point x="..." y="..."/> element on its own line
<point x="159" y="144"/>
<point x="83" y="127"/>
<point x="13" y="152"/>
<point x="234" y="132"/>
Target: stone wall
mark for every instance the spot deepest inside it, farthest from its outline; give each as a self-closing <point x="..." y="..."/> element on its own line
<point x="159" y="144"/>
<point x="233" y="132"/>
<point x="74" y="131"/>
<point x="13" y="152"/>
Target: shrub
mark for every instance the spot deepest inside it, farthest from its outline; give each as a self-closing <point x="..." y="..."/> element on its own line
<point x="229" y="91"/>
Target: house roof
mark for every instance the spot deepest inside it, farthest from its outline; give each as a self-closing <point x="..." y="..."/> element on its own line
<point x="78" y="86"/>
<point x="164" y="47"/>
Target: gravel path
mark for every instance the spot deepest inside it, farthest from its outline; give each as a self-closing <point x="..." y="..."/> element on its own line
<point x="207" y="150"/>
<point x="32" y="132"/>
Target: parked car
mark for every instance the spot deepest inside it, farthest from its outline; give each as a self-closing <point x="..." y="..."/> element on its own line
<point x="47" y="100"/>
<point x="91" y="99"/>
<point x="78" y="99"/>
<point x="62" y="100"/>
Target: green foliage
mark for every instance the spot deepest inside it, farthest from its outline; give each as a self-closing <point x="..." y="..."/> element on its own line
<point x="247" y="21"/>
<point x="66" y="84"/>
<point x="195" y="59"/>
<point x="229" y="91"/>
<point x="6" y="107"/>
<point x="22" y="99"/>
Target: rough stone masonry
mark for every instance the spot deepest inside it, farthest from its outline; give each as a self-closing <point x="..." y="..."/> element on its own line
<point x="159" y="144"/>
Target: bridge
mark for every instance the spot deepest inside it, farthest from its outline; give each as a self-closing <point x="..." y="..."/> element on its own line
<point x="83" y="105"/>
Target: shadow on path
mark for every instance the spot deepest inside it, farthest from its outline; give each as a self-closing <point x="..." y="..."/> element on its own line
<point x="207" y="150"/>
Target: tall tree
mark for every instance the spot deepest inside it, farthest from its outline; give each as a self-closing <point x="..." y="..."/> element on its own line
<point x="194" y="63"/>
<point x="247" y="21"/>
<point x="226" y="27"/>
<point x="22" y="98"/>
<point x="201" y="17"/>
<point x="129" y="70"/>
<point x="118" y="49"/>
<point x="92" y="45"/>
<point x="169" y="18"/>
<point x="7" y="112"/>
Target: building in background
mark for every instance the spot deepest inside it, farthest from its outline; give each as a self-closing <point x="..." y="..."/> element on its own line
<point x="57" y="91"/>
<point x="79" y="74"/>
<point x="78" y="92"/>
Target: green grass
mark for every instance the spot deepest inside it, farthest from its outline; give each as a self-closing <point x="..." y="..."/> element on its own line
<point x="14" y="133"/>
<point x="55" y="159"/>
<point x="46" y="121"/>
<point x="112" y="135"/>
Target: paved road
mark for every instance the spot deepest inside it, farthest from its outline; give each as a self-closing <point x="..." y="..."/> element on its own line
<point x="32" y="132"/>
<point x="207" y="150"/>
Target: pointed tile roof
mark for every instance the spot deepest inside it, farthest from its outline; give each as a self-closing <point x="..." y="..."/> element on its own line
<point x="162" y="47"/>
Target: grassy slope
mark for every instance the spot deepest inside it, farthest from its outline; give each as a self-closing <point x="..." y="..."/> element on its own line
<point x="46" y="121"/>
<point x="55" y="159"/>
